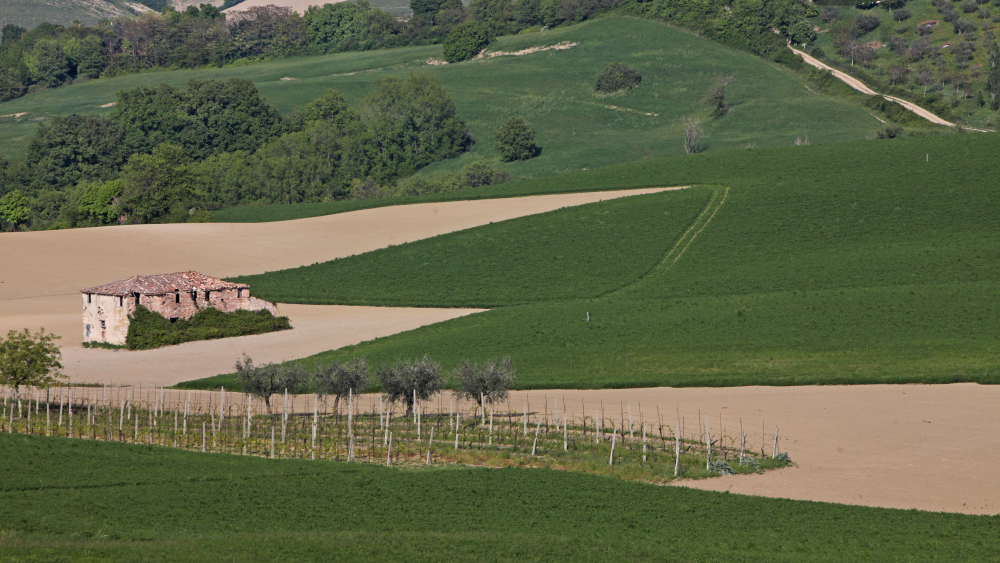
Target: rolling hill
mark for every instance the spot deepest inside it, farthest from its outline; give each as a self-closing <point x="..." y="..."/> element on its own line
<point x="553" y="89"/>
<point x="842" y="263"/>
<point x="30" y="13"/>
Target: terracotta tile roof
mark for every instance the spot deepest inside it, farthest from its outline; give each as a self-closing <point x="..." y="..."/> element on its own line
<point x="161" y="284"/>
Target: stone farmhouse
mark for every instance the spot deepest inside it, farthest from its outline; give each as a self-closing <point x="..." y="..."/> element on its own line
<point x="180" y="295"/>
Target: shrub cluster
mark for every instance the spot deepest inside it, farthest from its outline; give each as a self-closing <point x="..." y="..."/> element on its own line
<point x="466" y="41"/>
<point x="515" y="140"/>
<point x="617" y="77"/>
<point x="895" y="112"/>
<point x="149" y="330"/>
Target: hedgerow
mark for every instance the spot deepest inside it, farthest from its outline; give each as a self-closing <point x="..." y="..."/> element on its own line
<point x="147" y="330"/>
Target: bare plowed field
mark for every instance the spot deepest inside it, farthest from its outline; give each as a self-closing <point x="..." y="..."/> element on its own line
<point x="44" y="271"/>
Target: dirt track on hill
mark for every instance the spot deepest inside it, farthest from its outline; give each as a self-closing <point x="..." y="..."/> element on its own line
<point x="861" y="87"/>
<point x="50" y="267"/>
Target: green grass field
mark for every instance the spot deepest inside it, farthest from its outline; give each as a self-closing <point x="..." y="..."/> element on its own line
<point x="842" y="263"/>
<point x="82" y="500"/>
<point x="553" y="90"/>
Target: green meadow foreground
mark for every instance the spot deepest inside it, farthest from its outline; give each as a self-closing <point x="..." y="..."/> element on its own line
<point x="553" y="90"/>
<point x="865" y="262"/>
<point x="85" y="500"/>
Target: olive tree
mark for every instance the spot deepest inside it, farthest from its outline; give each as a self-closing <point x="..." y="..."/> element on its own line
<point x="488" y="382"/>
<point x="339" y="378"/>
<point x="29" y="359"/>
<point x="407" y="379"/>
<point x="268" y="379"/>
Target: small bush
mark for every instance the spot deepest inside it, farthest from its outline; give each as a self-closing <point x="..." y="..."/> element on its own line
<point x="721" y="467"/>
<point x="788" y="58"/>
<point x="901" y="14"/>
<point x="868" y="22"/>
<point x="466" y="40"/>
<point x="515" y="140"/>
<point x="617" y="77"/>
<point x="148" y="330"/>
<point x="895" y="112"/>
<point x="829" y="14"/>
<point x="783" y="458"/>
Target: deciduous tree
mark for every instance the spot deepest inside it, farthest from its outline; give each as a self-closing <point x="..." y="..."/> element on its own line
<point x="515" y="140"/>
<point x="30" y="359"/>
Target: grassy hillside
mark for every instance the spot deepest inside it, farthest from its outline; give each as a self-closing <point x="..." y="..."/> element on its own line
<point x="74" y="499"/>
<point x="580" y="252"/>
<point x="552" y="89"/>
<point x="30" y="13"/>
<point x="846" y="263"/>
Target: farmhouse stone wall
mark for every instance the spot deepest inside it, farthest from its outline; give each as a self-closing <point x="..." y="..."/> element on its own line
<point x="104" y="320"/>
<point x="106" y="317"/>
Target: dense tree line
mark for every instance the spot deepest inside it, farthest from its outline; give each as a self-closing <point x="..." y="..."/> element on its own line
<point x="169" y="155"/>
<point x="51" y="55"/>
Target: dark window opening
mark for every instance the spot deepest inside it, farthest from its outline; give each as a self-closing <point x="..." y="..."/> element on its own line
<point x="194" y="295"/>
<point x="89" y="295"/>
<point x="136" y="299"/>
<point x="207" y="295"/>
<point x="102" y="324"/>
<point x="121" y="301"/>
<point x="177" y="296"/>
<point x="174" y="319"/>
<point x="239" y="293"/>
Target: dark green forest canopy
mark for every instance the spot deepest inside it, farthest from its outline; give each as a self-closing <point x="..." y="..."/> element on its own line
<point x="168" y="154"/>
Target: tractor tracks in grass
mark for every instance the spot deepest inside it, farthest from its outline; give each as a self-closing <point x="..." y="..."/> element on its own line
<point x="715" y="202"/>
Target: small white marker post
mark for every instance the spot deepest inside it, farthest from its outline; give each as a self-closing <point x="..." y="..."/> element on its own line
<point x="538" y="426"/>
<point x="388" y="452"/>
<point x="677" y="448"/>
<point x="774" y="451"/>
<point x="614" y="437"/>
<point x="644" y="442"/>
<point x="430" y="444"/>
<point x="597" y="431"/>
<point x="565" y="431"/>
<point x="708" y="445"/>
<point x="630" y="436"/>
